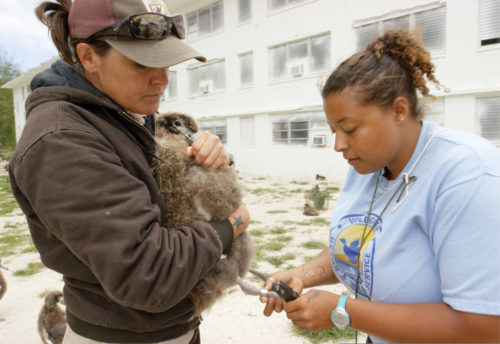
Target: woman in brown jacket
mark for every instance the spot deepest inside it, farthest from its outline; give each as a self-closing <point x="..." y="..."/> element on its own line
<point x="81" y="173"/>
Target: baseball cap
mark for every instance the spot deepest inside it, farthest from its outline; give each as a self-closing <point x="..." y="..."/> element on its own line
<point x="89" y="16"/>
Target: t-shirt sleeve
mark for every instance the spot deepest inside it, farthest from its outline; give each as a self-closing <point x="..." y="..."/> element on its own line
<point x="465" y="235"/>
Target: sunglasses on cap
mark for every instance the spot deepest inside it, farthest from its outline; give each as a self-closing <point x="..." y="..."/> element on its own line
<point x="144" y="26"/>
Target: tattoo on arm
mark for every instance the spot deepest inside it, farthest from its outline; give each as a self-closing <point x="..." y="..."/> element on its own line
<point x="313" y="296"/>
<point x="237" y="222"/>
<point x="308" y="271"/>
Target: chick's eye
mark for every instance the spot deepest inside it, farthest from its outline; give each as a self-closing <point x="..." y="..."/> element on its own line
<point x="177" y="123"/>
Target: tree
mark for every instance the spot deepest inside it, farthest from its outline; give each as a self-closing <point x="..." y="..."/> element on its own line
<point x="8" y="71"/>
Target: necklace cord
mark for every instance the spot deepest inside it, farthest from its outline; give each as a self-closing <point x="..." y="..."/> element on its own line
<point x="407" y="180"/>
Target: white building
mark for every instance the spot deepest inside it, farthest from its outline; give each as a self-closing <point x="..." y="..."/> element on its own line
<point x="267" y="60"/>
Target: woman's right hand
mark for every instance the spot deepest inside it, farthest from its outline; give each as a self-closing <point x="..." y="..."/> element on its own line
<point x="240" y="219"/>
<point x="276" y="305"/>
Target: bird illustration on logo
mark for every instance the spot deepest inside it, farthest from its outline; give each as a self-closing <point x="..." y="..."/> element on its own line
<point x="347" y="245"/>
<point x="351" y="250"/>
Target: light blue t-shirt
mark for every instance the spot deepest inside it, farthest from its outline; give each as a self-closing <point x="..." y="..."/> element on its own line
<point x="442" y="244"/>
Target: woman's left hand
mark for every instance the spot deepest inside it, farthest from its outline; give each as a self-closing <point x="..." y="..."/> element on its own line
<point x="208" y="151"/>
<point x="311" y="311"/>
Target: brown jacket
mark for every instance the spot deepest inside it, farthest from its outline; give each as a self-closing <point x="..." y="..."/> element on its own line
<point x="95" y="214"/>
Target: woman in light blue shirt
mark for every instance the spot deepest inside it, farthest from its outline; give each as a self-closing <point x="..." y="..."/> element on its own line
<point x="415" y="233"/>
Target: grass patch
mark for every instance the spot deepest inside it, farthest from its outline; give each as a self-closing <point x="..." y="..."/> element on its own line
<point x="10" y="243"/>
<point x="260" y="191"/>
<point x="299" y="183"/>
<point x="273" y="246"/>
<point x="7" y="201"/>
<point x="259" y="255"/>
<point x="319" y="220"/>
<point x="276" y="261"/>
<point x="314" y="244"/>
<point x="257" y="232"/>
<point x="31" y="249"/>
<point x="299" y="223"/>
<point x="332" y="189"/>
<point x="333" y="335"/>
<point x="318" y="197"/>
<point x="31" y="269"/>
<point x="288" y="256"/>
<point x="284" y="238"/>
<point x="277" y="211"/>
<point x="278" y="230"/>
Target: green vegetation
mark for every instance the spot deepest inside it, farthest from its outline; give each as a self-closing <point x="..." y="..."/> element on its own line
<point x="257" y="232"/>
<point x="298" y="183"/>
<point x="31" y="269"/>
<point x="13" y="241"/>
<point x="319" y="197"/>
<point x="260" y="191"/>
<point x="7" y="201"/>
<point x="284" y="238"/>
<point x="314" y="245"/>
<point x="277" y="211"/>
<point x="333" y="335"/>
<point x="8" y="71"/>
<point x="273" y="246"/>
<point x="278" y="230"/>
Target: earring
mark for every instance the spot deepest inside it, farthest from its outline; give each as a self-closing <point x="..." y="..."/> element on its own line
<point x="399" y="119"/>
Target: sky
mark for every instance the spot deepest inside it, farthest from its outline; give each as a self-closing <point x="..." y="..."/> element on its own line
<point x="24" y="40"/>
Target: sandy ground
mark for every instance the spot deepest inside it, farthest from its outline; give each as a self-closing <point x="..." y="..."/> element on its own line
<point x="236" y="318"/>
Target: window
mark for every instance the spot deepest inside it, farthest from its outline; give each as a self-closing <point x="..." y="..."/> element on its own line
<point x="488" y="110"/>
<point x="218" y="128"/>
<point x="171" y="90"/>
<point x="205" y="21"/>
<point x="247" y="126"/>
<point x="300" y="129"/>
<point x="207" y="78"/>
<point x="433" y="110"/>
<point x="489" y="22"/>
<point x="299" y="58"/>
<point x="246" y="69"/>
<point x="275" y="5"/>
<point x="431" y="24"/>
<point x="244" y="10"/>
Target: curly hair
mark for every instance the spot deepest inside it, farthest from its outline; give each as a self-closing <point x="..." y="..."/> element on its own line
<point x="392" y="65"/>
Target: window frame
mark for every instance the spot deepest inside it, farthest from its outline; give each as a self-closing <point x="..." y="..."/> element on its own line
<point x="195" y="31"/>
<point x="313" y="129"/>
<point x="489" y="23"/>
<point x="306" y="62"/>
<point x="379" y="24"/>
<point x="249" y="19"/>
<point x="213" y="73"/>
<point x="479" y="99"/>
<point x="252" y="71"/>
<point x="214" y="127"/>
<point x="287" y="4"/>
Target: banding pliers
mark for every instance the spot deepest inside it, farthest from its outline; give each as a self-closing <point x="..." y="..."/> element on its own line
<point x="280" y="290"/>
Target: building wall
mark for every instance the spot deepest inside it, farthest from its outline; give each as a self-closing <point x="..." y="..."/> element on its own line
<point x="467" y="69"/>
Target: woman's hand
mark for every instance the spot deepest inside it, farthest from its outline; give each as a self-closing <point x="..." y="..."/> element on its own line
<point x="240" y="219"/>
<point x="208" y="151"/>
<point x="277" y="305"/>
<point x="311" y="311"/>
